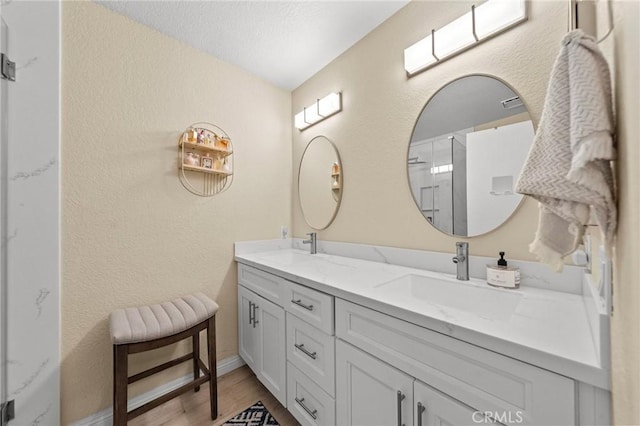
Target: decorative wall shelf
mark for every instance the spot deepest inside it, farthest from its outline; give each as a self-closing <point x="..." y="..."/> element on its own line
<point x="336" y="181"/>
<point x="205" y="159"/>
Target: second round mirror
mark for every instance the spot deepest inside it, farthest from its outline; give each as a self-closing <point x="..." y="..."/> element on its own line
<point x="465" y="155"/>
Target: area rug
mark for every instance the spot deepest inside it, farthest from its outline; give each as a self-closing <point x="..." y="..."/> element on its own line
<point x="256" y="415"/>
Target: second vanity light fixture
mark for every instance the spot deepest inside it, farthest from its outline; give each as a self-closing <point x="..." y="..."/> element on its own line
<point x="321" y="109"/>
<point x="479" y="24"/>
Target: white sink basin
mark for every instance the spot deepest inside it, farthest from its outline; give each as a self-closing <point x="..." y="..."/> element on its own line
<point x="486" y="302"/>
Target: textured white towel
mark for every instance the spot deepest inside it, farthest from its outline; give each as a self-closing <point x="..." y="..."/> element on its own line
<point x="568" y="169"/>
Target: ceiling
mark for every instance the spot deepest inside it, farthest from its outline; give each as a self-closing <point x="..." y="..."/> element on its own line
<point x="284" y="42"/>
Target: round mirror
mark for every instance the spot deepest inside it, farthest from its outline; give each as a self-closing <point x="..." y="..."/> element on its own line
<point x="320" y="182"/>
<point x="465" y="155"/>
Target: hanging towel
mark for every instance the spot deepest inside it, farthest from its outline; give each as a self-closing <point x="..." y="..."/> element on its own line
<point x="568" y="168"/>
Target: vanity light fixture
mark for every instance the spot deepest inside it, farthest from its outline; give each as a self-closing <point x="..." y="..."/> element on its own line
<point x="481" y="23"/>
<point x="318" y="111"/>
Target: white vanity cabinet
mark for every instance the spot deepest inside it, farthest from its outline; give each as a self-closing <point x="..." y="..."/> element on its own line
<point x="286" y="338"/>
<point x="371" y="392"/>
<point x="334" y="362"/>
<point x="261" y="336"/>
<point x="470" y="378"/>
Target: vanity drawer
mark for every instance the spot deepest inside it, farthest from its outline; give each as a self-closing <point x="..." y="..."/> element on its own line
<point x="269" y="286"/>
<point x="312" y="351"/>
<point x="308" y="403"/>
<point x="314" y="307"/>
<point x="479" y="378"/>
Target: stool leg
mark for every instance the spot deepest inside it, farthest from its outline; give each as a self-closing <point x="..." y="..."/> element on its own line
<point x="213" y="379"/>
<point x="120" y="378"/>
<point x="196" y="356"/>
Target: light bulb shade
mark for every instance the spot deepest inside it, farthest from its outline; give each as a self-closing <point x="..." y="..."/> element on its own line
<point x="318" y="111"/>
<point x="491" y="18"/>
<point x="330" y="104"/>
<point x="418" y="56"/>
<point x="494" y="16"/>
<point x="454" y="36"/>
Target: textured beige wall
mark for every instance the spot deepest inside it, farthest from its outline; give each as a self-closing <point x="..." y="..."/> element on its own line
<point x="131" y="234"/>
<point x="626" y="300"/>
<point x="380" y="107"/>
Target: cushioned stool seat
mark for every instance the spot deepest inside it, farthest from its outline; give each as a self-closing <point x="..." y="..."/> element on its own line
<point x="133" y="325"/>
<point x="145" y="328"/>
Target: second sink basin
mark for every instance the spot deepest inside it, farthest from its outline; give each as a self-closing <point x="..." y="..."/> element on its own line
<point x="486" y="302"/>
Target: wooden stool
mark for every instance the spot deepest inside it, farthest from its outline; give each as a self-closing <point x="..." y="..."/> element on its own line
<point x="135" y="330"/>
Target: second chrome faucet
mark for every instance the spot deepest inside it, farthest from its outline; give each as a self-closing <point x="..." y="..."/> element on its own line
<point x="313" y="248"/>
<point x="461" y="259"/>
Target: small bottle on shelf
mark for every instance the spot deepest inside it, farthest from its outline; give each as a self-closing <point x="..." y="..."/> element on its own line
<point x="191" y="135"/>
<point x="200" y="137"/>
<point x="217" y="164"/>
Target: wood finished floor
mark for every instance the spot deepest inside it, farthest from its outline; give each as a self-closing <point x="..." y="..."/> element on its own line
<point x="236" y="391"/>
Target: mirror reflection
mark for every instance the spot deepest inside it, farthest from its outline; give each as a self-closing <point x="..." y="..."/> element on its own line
<point x="320" y="182"/>
<point x="465" y="155"/>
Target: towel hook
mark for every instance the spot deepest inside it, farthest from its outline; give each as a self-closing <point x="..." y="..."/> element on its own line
<point x="574" y="21"/>
<point x="610" y="20"/>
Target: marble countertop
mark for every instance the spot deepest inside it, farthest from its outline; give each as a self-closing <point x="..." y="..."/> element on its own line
<point x="549" y="329"/>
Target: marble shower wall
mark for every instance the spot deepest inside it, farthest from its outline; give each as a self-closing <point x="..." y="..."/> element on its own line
<point x="33" y="350"/>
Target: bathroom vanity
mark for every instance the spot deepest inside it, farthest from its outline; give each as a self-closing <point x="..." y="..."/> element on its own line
<point x="348" y="337"/>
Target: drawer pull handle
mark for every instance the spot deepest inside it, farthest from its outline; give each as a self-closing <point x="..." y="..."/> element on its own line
<point x="399" y="402"/>
<point x="311" y="413"/>
<point x="251" y="313"/>
<point x="312" y="355"/>
<point x="255" y="321"/>
<point x="299" y="303"/>
<point x="421" y="409"/>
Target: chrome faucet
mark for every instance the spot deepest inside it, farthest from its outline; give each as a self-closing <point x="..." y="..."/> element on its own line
<point x="313" y="248"/>
<point x="461" y="259"/>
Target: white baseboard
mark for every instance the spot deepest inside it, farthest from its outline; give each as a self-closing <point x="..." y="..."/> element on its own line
<point x="105" y="417"/>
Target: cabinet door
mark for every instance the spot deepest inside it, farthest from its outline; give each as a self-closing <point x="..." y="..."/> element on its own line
<point x="272" y="362"/>
<point x="261" y="340"/>
<point x="370" y="392"/>
<point x="433" y="408"/>
<point x="247" y="331"/>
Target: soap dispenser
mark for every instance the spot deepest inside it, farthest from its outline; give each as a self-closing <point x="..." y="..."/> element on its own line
<point x="502" y="275"/>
